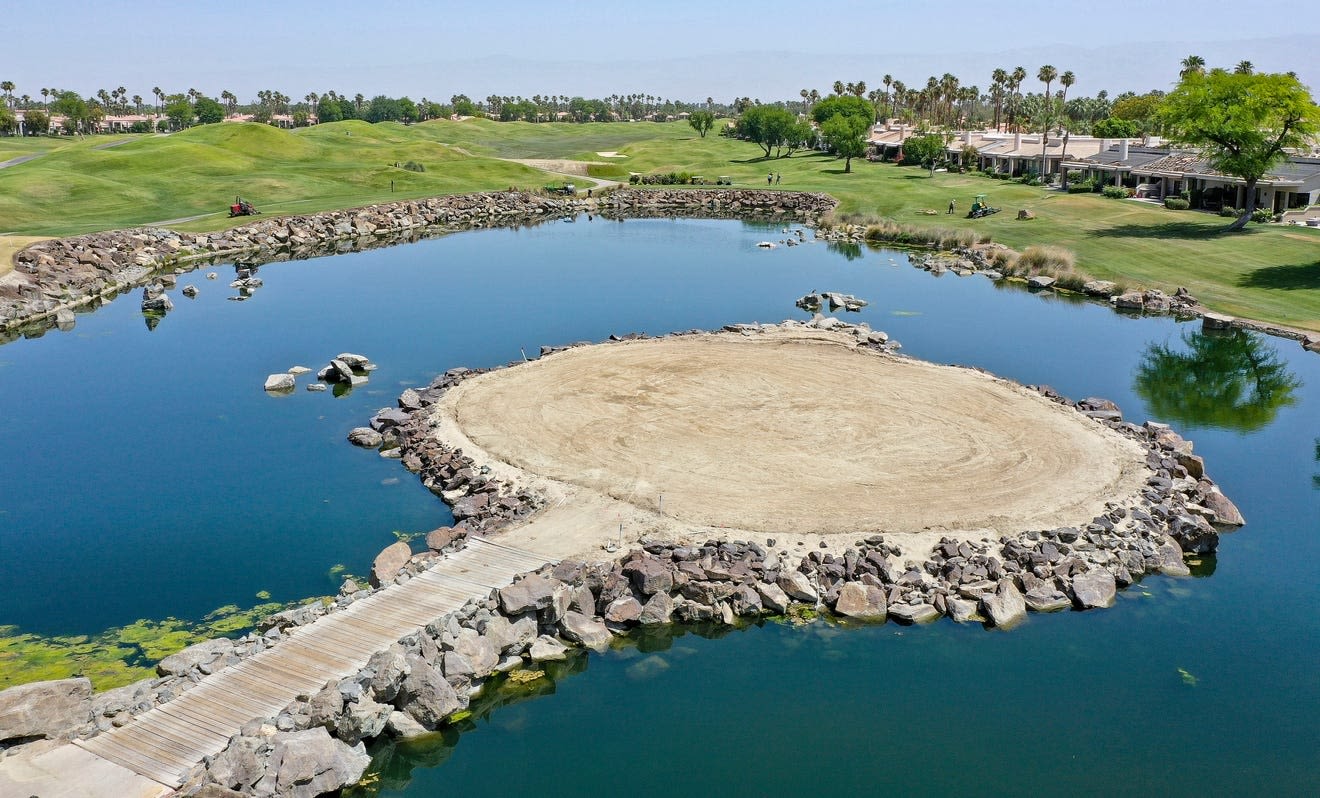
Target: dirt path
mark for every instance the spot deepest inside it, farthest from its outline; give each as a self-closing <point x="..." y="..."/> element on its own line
<point x="573" y="169"/>
<point x="796" y="435"/>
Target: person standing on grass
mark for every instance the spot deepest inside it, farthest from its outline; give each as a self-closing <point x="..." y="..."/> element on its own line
<point x="952" y="204"/>
<point x="770" y="178"/>
<point x="778" y="178"/>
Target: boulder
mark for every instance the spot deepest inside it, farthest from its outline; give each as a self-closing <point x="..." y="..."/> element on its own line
<point x="441" y="537"/>
<point x="1130" y="300"/>
<point x="241" y="765"/>
<point x="425" y="696"/>
<point x="195" y="656"/>
<point x="1095" y="588"/>
<point x="624" y="609"/>
<point x="659" y="609"/>
<point x="913" y="613"/>
<point x="797" y="586"/>
<point x="530" y="594"/>
<point x="388" y="669"/>
<point x="401" y="724"/>
<point x="1045" y="598"/>
<point x="512" y="636"/>
<point x="478" y="650"/>
<point x="323" y="709"/>
<point x="649" y="576"/>
<point x="279" y="383"/>
<point x="1169" y="555"/>
<point x="366" y="437"/>
<point x="308" y="763"/>
<point x="388" y="562"/>
<point x="545" y="648"/>
<point x="45" y="709"/>
<point x="1099" y="287"/>
<point x="1039" y="282"/>
<point x="961" y="610"/>
<point x="584" y="630"/>
<point x="862" y="602"/>
<point x="361" y="720"/>
<point x="773" y="597"/>
<point x="1216" y="321"/>
<point x="1226" y="512"/>
<point x="1004" y="608"/>
<point x="353" y="361"/>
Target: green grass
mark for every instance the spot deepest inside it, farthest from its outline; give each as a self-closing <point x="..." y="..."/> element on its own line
<point x="1266" y="273"/>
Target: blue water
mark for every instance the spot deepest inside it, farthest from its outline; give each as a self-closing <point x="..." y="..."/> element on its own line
<point x="149" y="475"/>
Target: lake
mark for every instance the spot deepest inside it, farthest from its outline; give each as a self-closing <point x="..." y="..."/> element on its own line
<point x="149" y="476"/>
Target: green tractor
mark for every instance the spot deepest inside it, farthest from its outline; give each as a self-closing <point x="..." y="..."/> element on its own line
<point x="981" y="207"/>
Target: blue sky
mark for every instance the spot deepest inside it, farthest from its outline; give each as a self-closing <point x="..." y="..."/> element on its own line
<point x="680" y="48"/>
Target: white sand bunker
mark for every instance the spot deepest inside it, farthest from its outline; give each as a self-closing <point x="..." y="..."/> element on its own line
<point x="611" y="154"/>
<point x="795" y="431"/>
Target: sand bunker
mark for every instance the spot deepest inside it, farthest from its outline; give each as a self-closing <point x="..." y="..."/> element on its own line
<point x="795" y="431"/>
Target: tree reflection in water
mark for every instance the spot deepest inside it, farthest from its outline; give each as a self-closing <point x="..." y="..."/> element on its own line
<point x="1232" y="380"/>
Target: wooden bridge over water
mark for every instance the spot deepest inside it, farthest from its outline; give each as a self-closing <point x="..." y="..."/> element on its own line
<point x="166" y="742"/>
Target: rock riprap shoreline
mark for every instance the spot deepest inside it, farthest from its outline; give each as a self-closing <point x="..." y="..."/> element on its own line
<point x="680" y="572"/>
<point x="62" y="274"/>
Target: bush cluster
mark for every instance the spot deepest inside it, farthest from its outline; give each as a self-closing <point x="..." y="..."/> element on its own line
<point x="1116" y="192"/>
<point x="1262" y="215"/>
<point x="674" y="179"/>
<point x="1176" y="203"/>
<point x="413" y="166"/>
<point x="1228" y="212"/>
<point x="1081" y="187"/>
<point x="891" y="231"/>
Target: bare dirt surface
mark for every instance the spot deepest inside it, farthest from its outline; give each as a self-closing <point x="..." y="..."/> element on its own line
<point x="794" y="434"/>
<point x="10" y="246"/>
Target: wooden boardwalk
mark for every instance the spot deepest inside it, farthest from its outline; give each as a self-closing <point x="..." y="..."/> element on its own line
<point x="166" y="742"/>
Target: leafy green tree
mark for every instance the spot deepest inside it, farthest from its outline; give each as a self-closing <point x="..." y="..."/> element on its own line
<point x="327" y="110"/>
<point x="925" y="149"/>
<point x="8" y="121"/>
<point x="702" y="122"/>
<point x="1242" y="122"/>
<point x="383" y="109"/>
<point x="846" y="136"/>
<point x="36" y="123"/>
<point x="769" y="126"/>
<point x="844" y="105"/>
<point x="1234" y="381"/>
<point x="209" y="112"/>
<point x="407" y="110"/>
<point x="1114" y="128"/>
<point x="180" y="114"/>
<point x="347" y="110"/>
<point x="74" y="109"/>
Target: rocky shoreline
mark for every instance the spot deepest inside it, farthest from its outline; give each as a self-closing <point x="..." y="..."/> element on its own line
<point x="427" y="679"/>
<point x="51" y="278"/>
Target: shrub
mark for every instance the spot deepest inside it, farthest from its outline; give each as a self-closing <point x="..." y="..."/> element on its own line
<point x="1176" y="203"/>
<point x="1081" y="187"/>
<point x="888" y="230"/>
<point x="1262" y="215"/>
<point x="1116" y="192"/>
<point x="1070" y="280"/>
<point x="1045" y="260"/>
<point x="1228" y="212"/>
<point x="413" y="166"/>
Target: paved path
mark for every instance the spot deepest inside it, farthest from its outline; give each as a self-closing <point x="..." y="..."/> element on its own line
<point x="166" y="742"/>
<point x="20" y="159"/>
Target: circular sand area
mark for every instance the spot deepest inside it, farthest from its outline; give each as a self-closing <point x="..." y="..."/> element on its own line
<point x="794" y="430"/>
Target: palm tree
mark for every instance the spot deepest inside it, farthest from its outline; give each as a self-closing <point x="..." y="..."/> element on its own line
<point x="1244" y="68"/>
<point x="1046" y="75"/>
<point x="838" y="87"/>
<point x="137" y="103"/>
<point x="160" y="96"/>
<point x="805" y="95"/>
<point x="1065" y="80"/>
<point x="45" y="98"/>
<point x="1015" y="79"/>
<point x="888" y="81"/>
<point x="859" y="88"/>
<point x="998" y="79"/>
<point x="7" y="86"/>
<point x="1192" y="64"/>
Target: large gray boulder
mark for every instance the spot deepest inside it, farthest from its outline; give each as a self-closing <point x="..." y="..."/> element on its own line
<point x="279" y="383"/>
<point x="659" y="609"/>
<point x="388" y="563"/>
<point x="361" y="720"/>
<point x="45" y="709"/>
<point x="535" y="592"/>
<point x="1226" y="512"/>
<point x="584" y="630"/>
<point x="1093" y="589"/>
<point x="478" y="650"/>
<point x="1170" y="557"/>
<point x="797" y="586"/>
<point x="366" y="437"/>
<point x="209" y="653"/>
<point x="773" y="597"/>
<point x="426" y="696"/>
<point x="1004" y="608"/>
<point x="241" y="764"/>
<point x="388" y="668"/>
<point x="649" y="576"/>
<point x="862" y="602"/>
<point x="546" y="648"/>
<point x="308" y="763"/>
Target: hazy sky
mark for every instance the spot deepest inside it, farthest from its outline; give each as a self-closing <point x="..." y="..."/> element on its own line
<point x="685" y="49"/>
